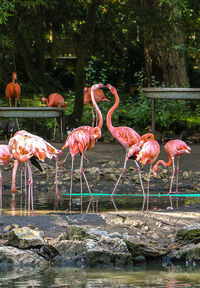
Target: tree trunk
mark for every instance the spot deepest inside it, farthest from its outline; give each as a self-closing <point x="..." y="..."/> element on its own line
<point x="162" y="60"/>
<point x="41" y="42"/>
<point x="87" y="33"/>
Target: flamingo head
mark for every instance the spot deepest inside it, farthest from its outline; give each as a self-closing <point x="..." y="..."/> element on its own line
<point x="147" y="137"/>
<point x="14" y="76"/>
<point x="111" y="88"/>
<point x="96" y="132"/>
<point x="97" y="86"/>
<point x="133" y="151"/>
<point x="155" y="169"/>
<point x="44" y="99"/>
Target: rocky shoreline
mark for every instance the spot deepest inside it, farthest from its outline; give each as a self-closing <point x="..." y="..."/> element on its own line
<point x="100" y="240"/>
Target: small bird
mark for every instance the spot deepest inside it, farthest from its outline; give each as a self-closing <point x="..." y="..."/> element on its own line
<point x="55" y="100"/>
<point x="146" y="154"/>
<point x="173" y="148"/>
<point x="23" y="146"/>
<point x="13" y="90"/>
<point x="99" y="96"/>
<point x="5" y="158"/>
<point x="8" y="128"/>
<point x="126" y="136"/>
<point x="82" y="139"/>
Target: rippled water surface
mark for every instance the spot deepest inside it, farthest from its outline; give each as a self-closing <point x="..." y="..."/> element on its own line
<point x="72" y="278"/>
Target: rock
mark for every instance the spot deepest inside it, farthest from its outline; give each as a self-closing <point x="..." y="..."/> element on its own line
<point x="14" y="256"/>
<point x="139" y="259"/>
<point x="77" y="233"/>
<point x="193" y="254"/>
<point x="186" y="175"/>
<point x="137" y="249"/>
<point x="72" y="253"/>
<point x="188" y="233"/>
<point x="25" y="238"/>
<point x="111" y="252"/>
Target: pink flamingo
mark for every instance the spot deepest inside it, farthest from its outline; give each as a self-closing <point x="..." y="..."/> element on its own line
<point x="146" y="154"/>
<point x="23" y="146"/>
<point x="5" y="158"/>
<point x="56" y="100"/>
<point x="82" y="139"/>
<point x="99" y="96"/>
<point x="173" y="148"/>
<point x="13" y="89"/>
<point x="126" y="136"/>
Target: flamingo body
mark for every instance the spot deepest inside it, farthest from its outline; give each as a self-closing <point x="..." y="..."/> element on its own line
<point x="55" y="100"/>
<point x="13" y="89"/>
<point x="82" y="139"/>
<point x="23" y="146"/>
<point x="149" y="152"/>
<point x="5" y="155"/>
<point x="126" y="137"/>
<point x="5" y="158"/>
<point x="173" y="148"/>
<point x="99" y="96"/>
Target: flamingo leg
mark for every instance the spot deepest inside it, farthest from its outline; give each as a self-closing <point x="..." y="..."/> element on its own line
<point x="14" y="172"/>
<point x="25" y="190"/>
<point x="91" y="197"/>
<point x="171" y="184"/>
<point x="10" y="102"/>
<point x="70" y="197"/>
<point x="81" y="182"/>
<point x="148" y="183"/>
<point x="30" y="189"/>
<point x="63" y="163"/>
<point x="177" y="170"/>
<point x="142" y="186"/>
<point x="57" y="191"/>
<point x="120" y="176"/>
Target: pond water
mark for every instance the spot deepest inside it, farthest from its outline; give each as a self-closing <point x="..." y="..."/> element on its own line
<point x="173" y="277"/>
<point x="47" y="201"/>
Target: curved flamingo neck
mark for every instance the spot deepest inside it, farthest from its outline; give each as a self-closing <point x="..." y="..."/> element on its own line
<point x="100" y="124"/>
<point x="111" y="111"/>
<point x="166" y="164"/>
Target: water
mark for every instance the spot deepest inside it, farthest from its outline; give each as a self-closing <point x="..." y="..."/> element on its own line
<point x="45" y="201"/>
<point x="173" y="277"/>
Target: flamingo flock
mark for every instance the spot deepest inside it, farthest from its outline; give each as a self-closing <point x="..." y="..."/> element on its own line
<point x="25" y="148"/>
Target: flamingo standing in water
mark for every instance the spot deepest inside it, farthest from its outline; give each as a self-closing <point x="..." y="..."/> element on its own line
<point x="5" y="158"/>
<point x="99" y="96"/>
<point x="13" y="89"/>
<point x="82" y="139"/>
<point x="24" y="146"/>
<point x="173" y="148"/>
<point x="126" y="136"/>
<point x="56" y="100"/>
<point x="146" y="154"/>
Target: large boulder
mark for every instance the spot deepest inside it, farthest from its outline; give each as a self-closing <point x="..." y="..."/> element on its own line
<point x="13" y="256"/>
<point x="26" y="237"/>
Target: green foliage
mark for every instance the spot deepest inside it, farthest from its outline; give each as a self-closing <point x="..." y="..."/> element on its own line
<point x="6" y="9"/>
<point x="95" y="73"/>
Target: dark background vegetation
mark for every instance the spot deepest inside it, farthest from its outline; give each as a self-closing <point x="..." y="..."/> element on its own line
<point x="62" y="46"/>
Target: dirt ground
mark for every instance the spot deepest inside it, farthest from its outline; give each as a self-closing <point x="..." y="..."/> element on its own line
<point x="157" y="225"/>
